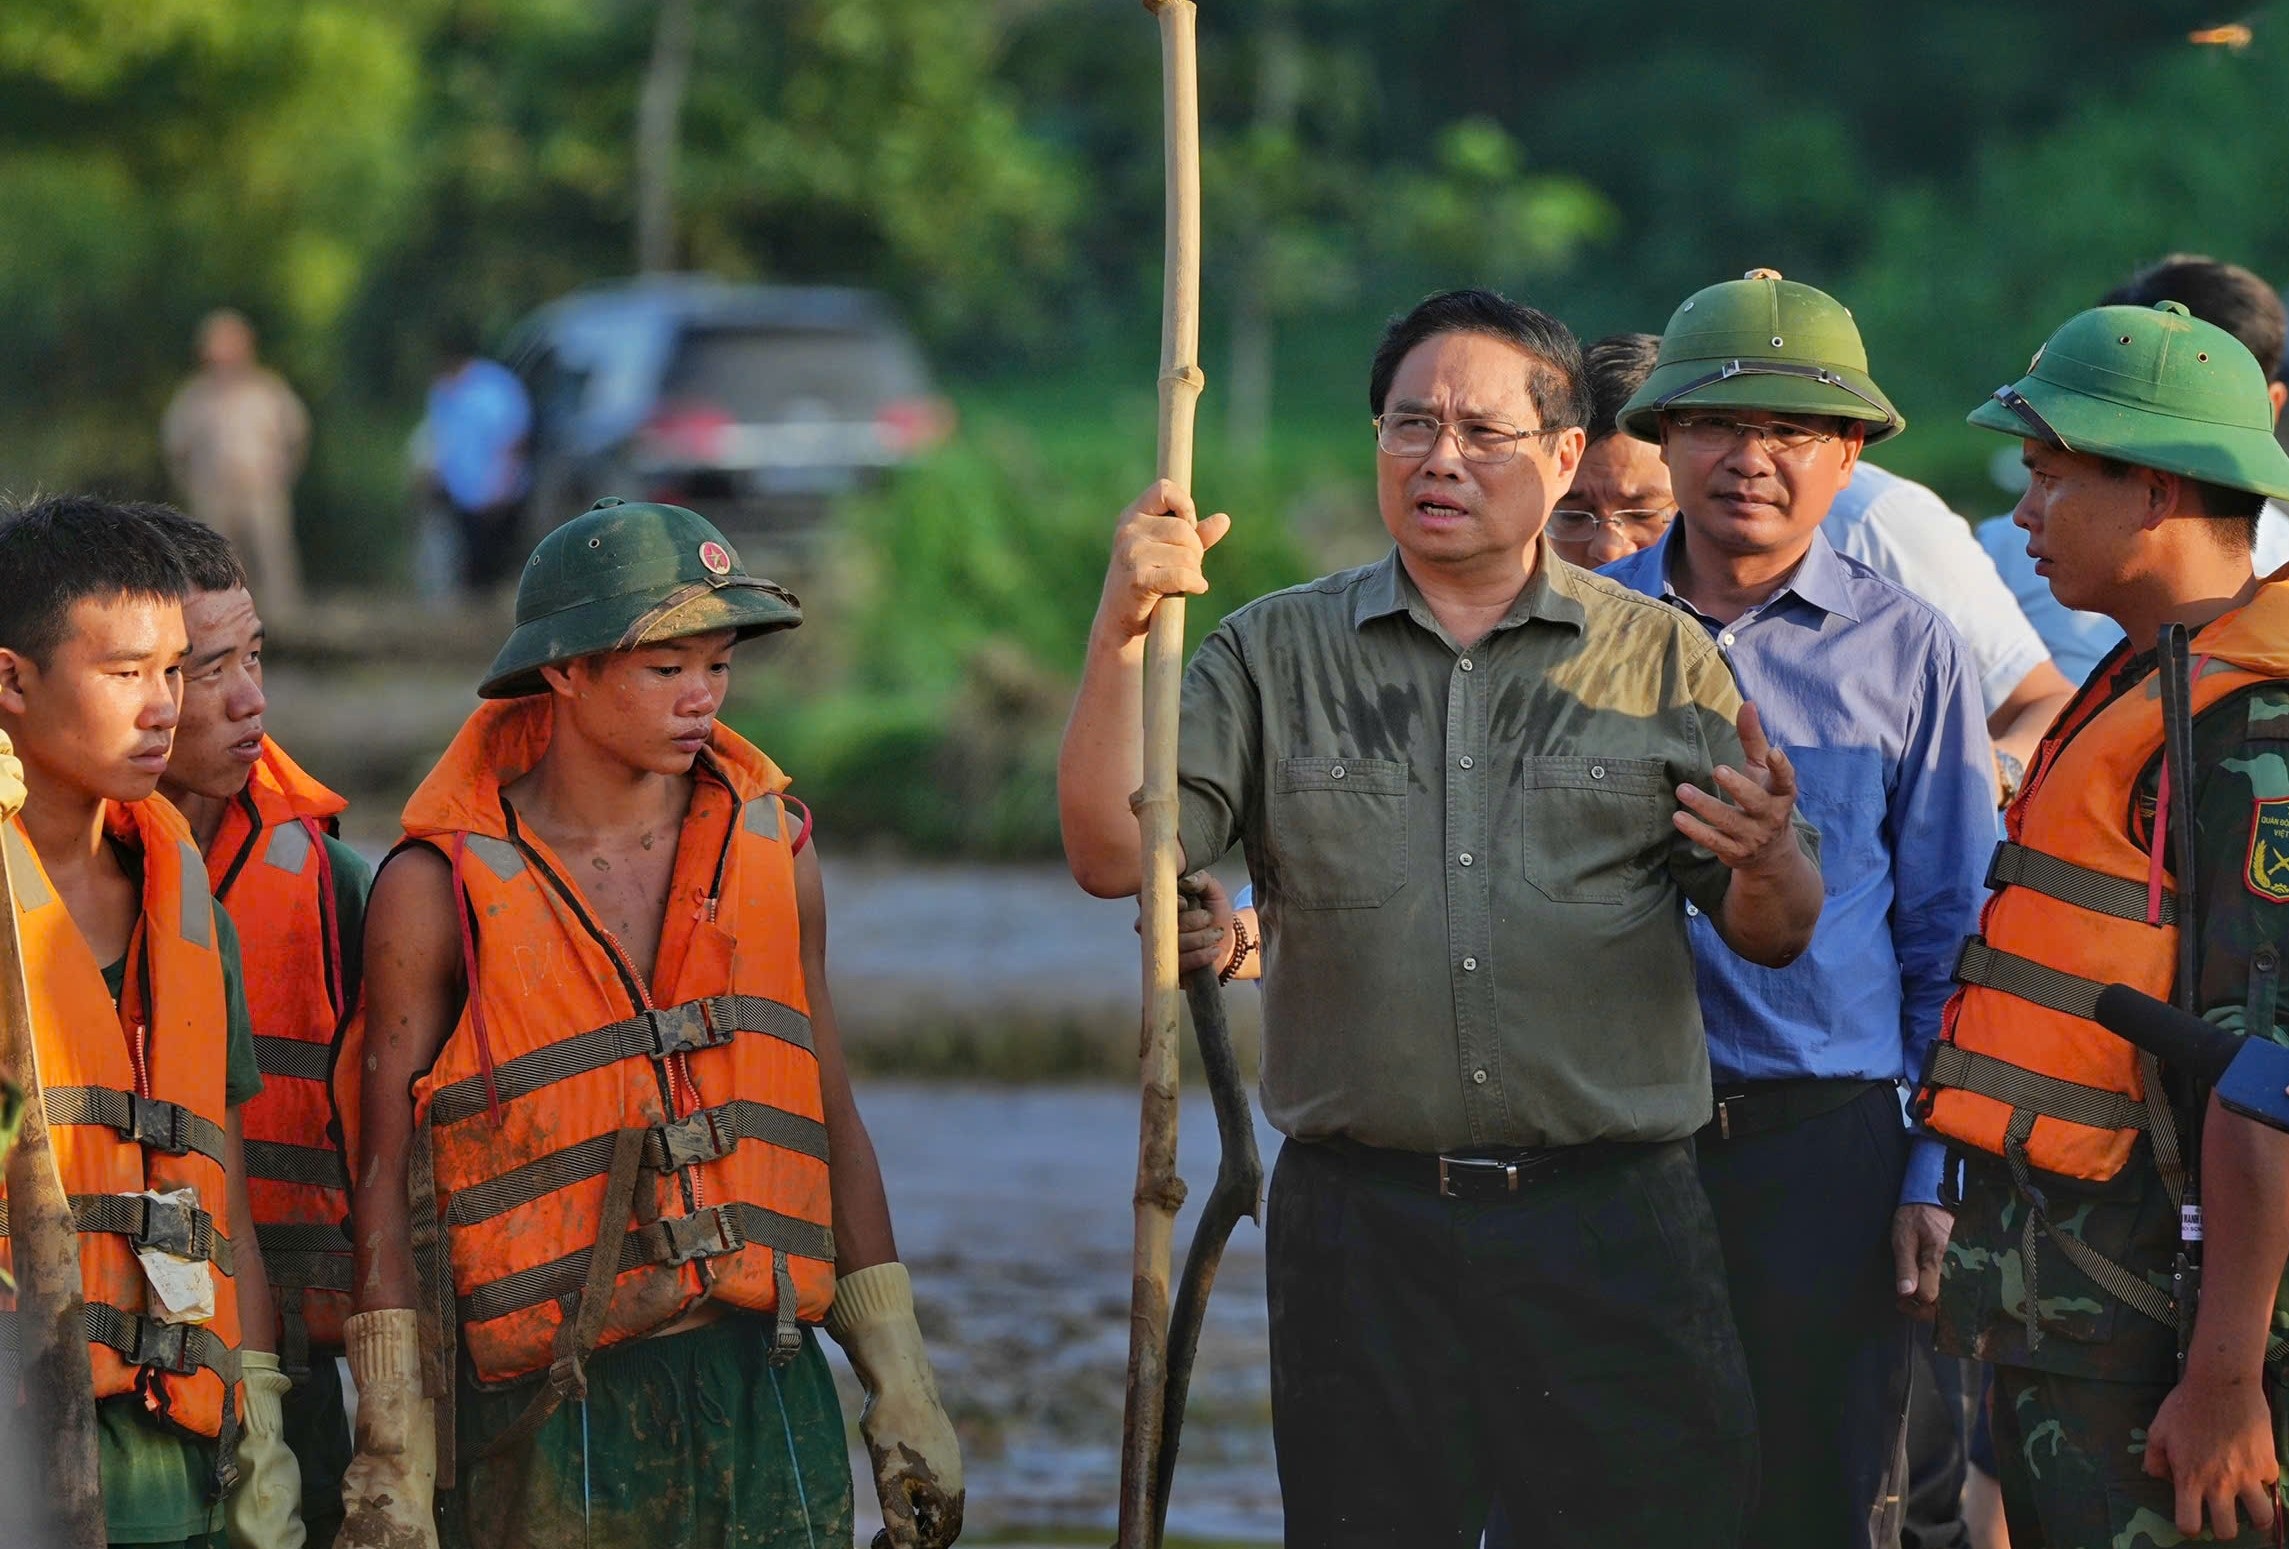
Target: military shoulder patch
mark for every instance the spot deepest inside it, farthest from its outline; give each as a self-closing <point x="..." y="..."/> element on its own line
<point x="2268" y="871"/>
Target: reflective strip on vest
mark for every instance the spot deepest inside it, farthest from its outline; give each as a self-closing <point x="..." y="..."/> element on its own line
<point x="707" y="1234"/>
<point x="165" y="1127"/>
<point x="706" y="1136"/>
<point x="167" y="1225"/>
<point x="669" y="1030"/>
<point x="500" y="856"/>
<point x="765" y="818"/>
<point x="198" y="927"/>
<point x="289" y="848"/>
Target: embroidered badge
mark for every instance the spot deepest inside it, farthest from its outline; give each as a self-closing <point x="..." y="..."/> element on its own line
<point x="2268" y="871"/>
<point x="715" y="557"/>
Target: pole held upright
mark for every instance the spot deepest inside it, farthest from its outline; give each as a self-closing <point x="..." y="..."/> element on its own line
<point x="1159" y="1192"/>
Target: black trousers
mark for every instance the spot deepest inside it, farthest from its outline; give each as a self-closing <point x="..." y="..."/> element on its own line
<point x="1568" y="1348"/>
<point x="1805" y="1214"/>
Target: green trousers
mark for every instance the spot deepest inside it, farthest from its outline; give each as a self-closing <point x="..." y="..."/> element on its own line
<point x="2071" y="1454"/>
<point x="693" y="1441"/>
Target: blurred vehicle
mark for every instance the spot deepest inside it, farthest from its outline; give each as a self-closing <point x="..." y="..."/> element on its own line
<point x="754" y="404"/>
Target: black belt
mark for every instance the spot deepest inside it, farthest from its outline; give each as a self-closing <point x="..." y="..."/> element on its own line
<point x="1481" y="1176"/>
<point x="1760" y="1107"/>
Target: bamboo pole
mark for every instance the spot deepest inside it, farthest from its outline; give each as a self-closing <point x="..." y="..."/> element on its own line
<point x="58" y="1416"/>
<point x="1159" y="1192"/>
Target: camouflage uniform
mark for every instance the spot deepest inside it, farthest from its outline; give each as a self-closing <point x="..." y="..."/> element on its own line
<point x="2070" y="1414"/>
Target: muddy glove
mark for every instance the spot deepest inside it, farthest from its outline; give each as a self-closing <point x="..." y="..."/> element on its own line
<point x="265" y="1509"/>
<point x="917" y="1462"/>
<point x="388" y="1493"/>
<point x="11" y="780"/>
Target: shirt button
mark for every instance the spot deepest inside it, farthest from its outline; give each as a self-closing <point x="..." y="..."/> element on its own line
<point x="1336" y="773"/>
<point x="1466" y="664"/>
<point x="1470" y="965"/>
<point x="1597" y="771"/>
<point x="1726" y="638"/>
<point x="1464" y="857"/>
<point x="1692" y="911"/>
<point x="1478" y="1076"/>
<point x="1466" y="761"/>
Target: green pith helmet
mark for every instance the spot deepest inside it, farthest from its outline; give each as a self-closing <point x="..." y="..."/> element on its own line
<point x="619" y="576"/>
<point x="1762" y="342"/>
<point x="2155" y="386"/>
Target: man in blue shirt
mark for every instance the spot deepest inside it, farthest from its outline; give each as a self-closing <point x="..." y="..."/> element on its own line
<point x="474" y="444"/>
<point x="1828" y="1208"/>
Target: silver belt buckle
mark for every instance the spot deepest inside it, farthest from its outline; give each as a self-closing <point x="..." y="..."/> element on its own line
<point x="1474" y="1164"/>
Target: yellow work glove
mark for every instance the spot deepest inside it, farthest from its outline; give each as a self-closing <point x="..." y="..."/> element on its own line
<point x="389" y="1491"/>
<point x="11" y="780"/>
<point x="917" y="1462"/>
<point x="265" y="1508"/>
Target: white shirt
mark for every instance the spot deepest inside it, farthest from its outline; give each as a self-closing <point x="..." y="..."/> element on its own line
<point x="2078" y="641"/>
<point x="1906" y="533"/>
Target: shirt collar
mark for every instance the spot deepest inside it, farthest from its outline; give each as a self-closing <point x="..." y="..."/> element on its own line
<point x="1551" y="594"/>
<point x="1819" y="578"/>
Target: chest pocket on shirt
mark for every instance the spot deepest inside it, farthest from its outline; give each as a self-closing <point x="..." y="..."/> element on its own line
<point x="1339" y="831"/>
<point x="1592" y="827"/>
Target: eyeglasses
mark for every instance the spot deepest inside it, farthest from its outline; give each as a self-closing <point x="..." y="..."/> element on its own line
<point x="1481" y="440"/>
<point x="1721" y="432"/>
<point x="1643" y="527"/>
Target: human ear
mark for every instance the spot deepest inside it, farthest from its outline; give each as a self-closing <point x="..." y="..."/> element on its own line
<point x="15" y="669"/>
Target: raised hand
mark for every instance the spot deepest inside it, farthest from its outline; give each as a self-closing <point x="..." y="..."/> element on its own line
<point x="1750" y="829"/>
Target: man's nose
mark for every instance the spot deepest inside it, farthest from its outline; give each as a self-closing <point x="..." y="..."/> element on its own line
<point x="162" y="709"/>
<point x="1607" y="545"/>
<point x="1749" y="454"/>
<point x="249" y="701"/>
<point x="1445" y="455"/>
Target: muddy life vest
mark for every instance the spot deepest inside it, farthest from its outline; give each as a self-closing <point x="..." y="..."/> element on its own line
<point x="577" y="1112"/>
<point x="135" y="1101"/>
<point x="2021" y="1069"/>
<point x="271" y="871"/>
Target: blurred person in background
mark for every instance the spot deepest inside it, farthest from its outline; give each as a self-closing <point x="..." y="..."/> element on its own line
<point x="1905" y="533"/>
<point x="2242" y="304"/>
<point x="1620" y="500"/>
<point x="473" y="457"/>
<point x="236" y="438"/>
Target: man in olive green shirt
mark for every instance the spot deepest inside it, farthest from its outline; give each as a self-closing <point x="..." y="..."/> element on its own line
<point x="1478" y="790"/>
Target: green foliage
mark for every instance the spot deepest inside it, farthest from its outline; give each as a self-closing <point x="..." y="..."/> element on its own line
<point x="944" y="641"/>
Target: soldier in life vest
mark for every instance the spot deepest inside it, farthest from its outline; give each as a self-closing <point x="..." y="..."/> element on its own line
<point x="599" y="1058"/>
<point x="139" y="1018"/>
<point x="297" y="894"/>
<point x="2119" y="1246"/>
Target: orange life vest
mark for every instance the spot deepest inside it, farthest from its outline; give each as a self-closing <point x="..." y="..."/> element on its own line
<point x="2021" y="1069"/>
<point x="272" y="873"/>
<point x="561" y="1047"/>
<point x="135" y="1100"/>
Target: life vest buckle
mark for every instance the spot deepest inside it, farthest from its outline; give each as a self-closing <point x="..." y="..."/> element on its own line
<point x="708" y="1234"/>
<point x="166" y="1346"/>
<point x="169" y="1226"/>
<point x="690" y="1141"/>
<point x="156" y="1124"/>
<point x="683" y="1029"/>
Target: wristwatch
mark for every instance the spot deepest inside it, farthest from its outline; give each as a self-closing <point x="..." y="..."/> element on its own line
<point x="2010" y="773"/>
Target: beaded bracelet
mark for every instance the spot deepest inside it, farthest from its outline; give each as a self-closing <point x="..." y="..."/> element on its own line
<point x="1241" y="947"/>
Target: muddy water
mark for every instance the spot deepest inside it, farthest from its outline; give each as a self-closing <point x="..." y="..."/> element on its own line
<point x="1012" y="1209"/>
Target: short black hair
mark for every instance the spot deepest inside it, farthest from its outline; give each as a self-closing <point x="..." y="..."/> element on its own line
<point x="210" y="564"/>
<point x="2219" y="293"/>
<point x="60" y="550"/>
<point x="1560" y="392"/>
<point x="1617" y="366"/>
<point x="2235" y="511"/>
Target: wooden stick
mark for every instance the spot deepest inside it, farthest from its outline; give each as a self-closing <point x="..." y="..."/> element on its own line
<point x="58" y="1383"/>
<point x="1159" y="1192"/>
<point x="1239" y="1191"/>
